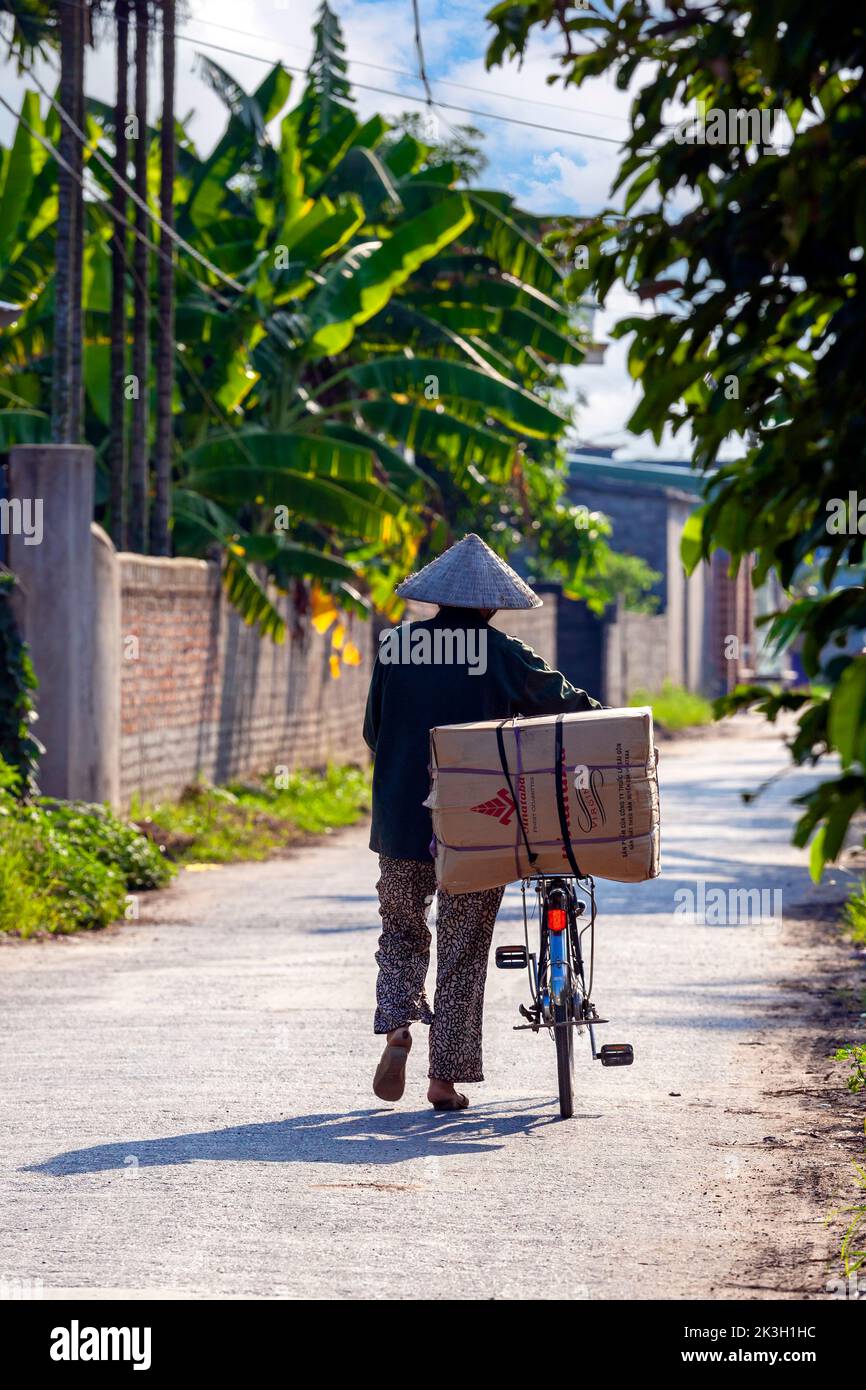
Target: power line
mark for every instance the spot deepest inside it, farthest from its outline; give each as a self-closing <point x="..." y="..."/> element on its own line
<point x="431" y="102"/>
<point x="406" y="96"/>
<point x="413" y="77"/>
<point x="401" y="96"/>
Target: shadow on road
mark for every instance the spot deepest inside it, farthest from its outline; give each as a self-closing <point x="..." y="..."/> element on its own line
<point x="365" y="1137"/>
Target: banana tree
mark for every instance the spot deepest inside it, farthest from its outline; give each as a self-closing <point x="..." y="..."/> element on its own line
<point x="386" y="366"/>
<point x="386" y="312"/>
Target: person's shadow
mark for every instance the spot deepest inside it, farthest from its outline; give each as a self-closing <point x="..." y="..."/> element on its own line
<point x="365" y="1137"/>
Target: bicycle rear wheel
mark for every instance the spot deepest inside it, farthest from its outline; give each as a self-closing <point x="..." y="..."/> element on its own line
<point x="564" y="1061"/>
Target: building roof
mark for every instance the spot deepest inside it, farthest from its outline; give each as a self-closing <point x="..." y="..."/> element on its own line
<point x="593" y="463"/>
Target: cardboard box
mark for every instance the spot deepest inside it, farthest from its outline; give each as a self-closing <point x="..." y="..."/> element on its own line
<point x="610" y="798"/>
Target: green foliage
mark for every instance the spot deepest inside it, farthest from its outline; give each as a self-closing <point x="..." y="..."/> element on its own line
<point x="18" y="745"/>
<point x="853" y="1259"/>
<point x="674" y="707"/>
<point x="388" y="372"/>
<point x="754" y="252"/>
<point x="67" y="866"/>
<point x="251" y="821"/>
<point x="461" y="146"/>
<point x="116" y="843"/>
<point x="854" y="915"/>
<point x="855" y="1056"/>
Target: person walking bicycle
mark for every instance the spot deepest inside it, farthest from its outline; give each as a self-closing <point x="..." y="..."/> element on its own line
<point x="411" y="692"/>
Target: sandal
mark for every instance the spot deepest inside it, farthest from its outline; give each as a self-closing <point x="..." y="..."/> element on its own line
<point x="389" y="1082"/>
<point x="459" y="1102"/>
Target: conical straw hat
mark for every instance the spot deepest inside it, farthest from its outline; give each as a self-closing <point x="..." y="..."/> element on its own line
<point x="469" y="575"/>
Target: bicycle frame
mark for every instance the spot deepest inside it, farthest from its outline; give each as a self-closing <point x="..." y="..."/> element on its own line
<point x="557" y="973"/>
<point x="561" y="995"/>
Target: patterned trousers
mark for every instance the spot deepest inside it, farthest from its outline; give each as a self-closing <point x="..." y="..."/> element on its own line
<point x="464" y="930"/>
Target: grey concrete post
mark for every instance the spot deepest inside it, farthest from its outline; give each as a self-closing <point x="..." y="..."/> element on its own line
<point x="104" y="739"/>
<point x="60" y="616"/>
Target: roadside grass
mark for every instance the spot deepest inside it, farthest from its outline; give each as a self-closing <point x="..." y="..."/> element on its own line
<point x="853" y="1259"/>
<point x="852" y="1253"/>
<point x="68" y="866"/>
<point x="854" y="915"/>
<point x="674" y="707"/>
<point x="246" y="820"/>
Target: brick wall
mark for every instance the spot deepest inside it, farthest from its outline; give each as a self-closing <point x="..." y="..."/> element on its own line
<point x="732" y="618"/>
<point x="203" y="695"/>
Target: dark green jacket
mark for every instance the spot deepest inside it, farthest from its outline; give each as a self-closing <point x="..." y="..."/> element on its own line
<point x="406" y="701"/>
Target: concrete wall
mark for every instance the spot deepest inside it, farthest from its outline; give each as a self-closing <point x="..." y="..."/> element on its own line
<point x="639" y="516"/>
<point x="635" y="655"/>
<point x="579" y="641"/>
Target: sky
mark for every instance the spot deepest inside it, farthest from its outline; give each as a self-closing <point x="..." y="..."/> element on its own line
<point x="546" y="171"/>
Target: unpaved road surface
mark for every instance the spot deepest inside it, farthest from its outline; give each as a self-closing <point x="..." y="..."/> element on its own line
<point x="186" y="1103"/>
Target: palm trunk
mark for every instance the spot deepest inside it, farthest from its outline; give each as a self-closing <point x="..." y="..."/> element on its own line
<point x="165" y="329"/>
<point x="117" y="394"/>
<point x="63" y="251"/>
<point x="76" y="323"/>
<point x="140" y="298"/>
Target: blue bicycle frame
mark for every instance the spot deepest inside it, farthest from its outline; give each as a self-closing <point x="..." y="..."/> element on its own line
<point x="561" y="995"/>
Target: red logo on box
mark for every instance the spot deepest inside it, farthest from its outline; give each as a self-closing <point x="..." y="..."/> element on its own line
<point x="501" y="806"/>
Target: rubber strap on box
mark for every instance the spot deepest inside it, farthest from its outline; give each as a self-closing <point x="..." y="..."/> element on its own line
<point x="500" y="743"/>
<point x="558" y="761"/>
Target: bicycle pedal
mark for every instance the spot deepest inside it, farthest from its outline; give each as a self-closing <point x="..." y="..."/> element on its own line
<point x="511" y="958"/>
<point x="616" y="1055"/>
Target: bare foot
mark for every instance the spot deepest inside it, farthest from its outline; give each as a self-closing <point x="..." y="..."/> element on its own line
<point x="444" y="1095"/>
<point x="389" y="1081"/>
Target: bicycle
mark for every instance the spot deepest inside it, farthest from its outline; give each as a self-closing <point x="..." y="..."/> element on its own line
<point x="561" y="996"/>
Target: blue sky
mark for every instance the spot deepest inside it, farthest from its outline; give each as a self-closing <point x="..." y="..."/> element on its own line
<point x="546" y="171"/>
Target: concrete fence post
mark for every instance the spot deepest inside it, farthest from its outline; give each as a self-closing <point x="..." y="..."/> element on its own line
<point x="68" y="615"/>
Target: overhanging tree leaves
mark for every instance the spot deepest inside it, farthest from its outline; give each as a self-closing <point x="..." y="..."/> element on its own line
<point x="764" y="336"/>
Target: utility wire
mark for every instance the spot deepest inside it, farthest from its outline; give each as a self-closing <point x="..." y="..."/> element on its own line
<point x="401" y="96"/>
<point x="406" y="96"/>
<point x="383" y="67"/>
<point x="431" y="102"/>
<point x="413" y="76"/>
